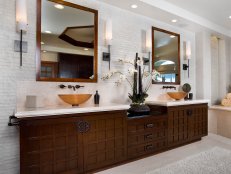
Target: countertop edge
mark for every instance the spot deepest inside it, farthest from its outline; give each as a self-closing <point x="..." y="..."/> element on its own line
<point x="177" y="103"/>
<point x="66" y="111"/>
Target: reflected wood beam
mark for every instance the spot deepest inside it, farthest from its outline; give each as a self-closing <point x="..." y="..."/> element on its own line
<point x="75" y="42"/>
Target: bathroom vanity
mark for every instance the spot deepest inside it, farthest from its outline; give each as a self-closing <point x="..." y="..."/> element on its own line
<point x="85" y="140"/>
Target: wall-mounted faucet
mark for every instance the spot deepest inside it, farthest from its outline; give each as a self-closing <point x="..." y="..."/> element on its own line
<point x="70" y="87"/>
<point x="169" y="87"/>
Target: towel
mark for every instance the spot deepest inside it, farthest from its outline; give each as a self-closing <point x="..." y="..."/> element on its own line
<point x="226" y="102"/>
<point x="228" y="96"/>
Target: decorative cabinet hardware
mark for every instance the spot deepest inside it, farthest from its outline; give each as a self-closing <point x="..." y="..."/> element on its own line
<point x="149" y="147"/>
<point x="83" y="126"/>
<point x="150" y="125"/>
<point x="189" y="112"/>
<point x="149" y="136"/>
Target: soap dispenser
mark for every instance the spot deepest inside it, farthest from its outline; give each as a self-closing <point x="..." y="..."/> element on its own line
<point x="96" y="98"/>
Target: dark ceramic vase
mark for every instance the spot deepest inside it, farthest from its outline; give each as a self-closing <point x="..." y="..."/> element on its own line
<point x="138" y="110"/>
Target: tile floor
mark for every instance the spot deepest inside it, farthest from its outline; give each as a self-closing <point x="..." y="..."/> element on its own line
<point x="148" y="164"/>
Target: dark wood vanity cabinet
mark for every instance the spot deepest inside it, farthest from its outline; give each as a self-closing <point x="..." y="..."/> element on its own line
<point x="146" y="135"/>
<point x="187" y="123"/>
<point x="84" y="143"/>
<point x="106" y="142"/>
<point x="73" y="144"/>
<point x="51" y="146"/>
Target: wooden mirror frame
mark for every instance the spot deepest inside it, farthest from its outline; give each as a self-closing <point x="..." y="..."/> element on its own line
<point x="153" y="55"/>
<point x="38" y="44"/>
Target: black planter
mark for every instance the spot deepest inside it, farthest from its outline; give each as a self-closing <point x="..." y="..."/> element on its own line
<point x="138" y="110"/>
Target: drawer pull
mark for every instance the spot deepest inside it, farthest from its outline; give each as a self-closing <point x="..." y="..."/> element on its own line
<point x="149" y="136"/>
<point x="148" y="147"/>
<point x="150" y="125"/>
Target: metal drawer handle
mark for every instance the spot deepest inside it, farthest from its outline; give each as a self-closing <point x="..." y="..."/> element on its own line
<point x="149" y="136"/>
<point x="150" y="125"/>
<point x="83" y="126"/>
<point x="149" y="147"/>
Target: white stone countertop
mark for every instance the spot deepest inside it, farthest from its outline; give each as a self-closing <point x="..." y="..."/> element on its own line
<point x="60" y="110"/>
<point x="176" y="103"/>
<point x="220" y="107"/>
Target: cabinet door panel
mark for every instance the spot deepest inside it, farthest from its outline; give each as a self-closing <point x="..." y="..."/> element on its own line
<point x="50" y="146"/>
<point x="106" y="141"/>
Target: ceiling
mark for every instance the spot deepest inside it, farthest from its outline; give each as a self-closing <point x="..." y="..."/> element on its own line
<point x="217" y="11"/>
<point x="193" y="15"/>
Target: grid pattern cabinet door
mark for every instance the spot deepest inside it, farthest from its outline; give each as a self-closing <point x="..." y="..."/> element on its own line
<point x="51" y="146"/>
<point x="106" y="141"/>
<point x="177" y="126"/>
<point x="197" y="121"/>
<point x="187" y="123"/>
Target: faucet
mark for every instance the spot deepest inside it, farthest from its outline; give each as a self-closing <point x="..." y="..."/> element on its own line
<point x="169" y="87"/>
<point x="70" y="87"/>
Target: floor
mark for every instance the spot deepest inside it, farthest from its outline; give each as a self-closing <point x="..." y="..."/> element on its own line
<point x="148" y="164"/>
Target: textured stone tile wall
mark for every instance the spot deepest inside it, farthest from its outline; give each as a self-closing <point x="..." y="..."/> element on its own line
<point x="16" y="82"/>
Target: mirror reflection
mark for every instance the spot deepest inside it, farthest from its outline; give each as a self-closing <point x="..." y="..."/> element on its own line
<point x="68" y="42"/>
<point x="166" y="56"/>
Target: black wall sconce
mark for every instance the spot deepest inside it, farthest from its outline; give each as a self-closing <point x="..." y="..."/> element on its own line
<point x="21" y="20"/>
<point x="186" y="67"/>
<point x="108" y="37"/>
<point x="188" y="53"/>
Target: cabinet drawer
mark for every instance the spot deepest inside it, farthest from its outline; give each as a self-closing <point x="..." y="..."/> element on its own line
<point x="148" y="136"/>
<point x="143" y="125"/>
<point x="146" y="148"/>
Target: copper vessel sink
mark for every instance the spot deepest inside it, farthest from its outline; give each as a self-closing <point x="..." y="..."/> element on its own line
<point x="177" y="95"/>
<point x="75" y="99"/>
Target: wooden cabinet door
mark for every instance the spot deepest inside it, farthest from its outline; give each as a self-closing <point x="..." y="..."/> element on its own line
<point x="177" y="126"/>
<point x="51" y="146"/>
<point x="187" y="123"/>
<point x="106" y="141"/>
<point x="197" y="121"/>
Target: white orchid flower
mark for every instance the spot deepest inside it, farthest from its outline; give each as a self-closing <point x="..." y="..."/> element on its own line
<point x="122" y="77"/>
<point x="139" y="62"/>
<point x="131" y="71"/>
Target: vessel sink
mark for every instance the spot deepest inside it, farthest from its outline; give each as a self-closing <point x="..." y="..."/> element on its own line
<point x="75" y="99"/>
<point x="177" y="95"/>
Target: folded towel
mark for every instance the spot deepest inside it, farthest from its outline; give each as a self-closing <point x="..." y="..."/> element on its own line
<point x="226" y="102"/>
<point x="228" y="96"/>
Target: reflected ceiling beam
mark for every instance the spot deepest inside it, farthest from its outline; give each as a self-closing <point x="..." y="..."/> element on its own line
<point x="171" y="8"/>
<point x="75" y="42"/>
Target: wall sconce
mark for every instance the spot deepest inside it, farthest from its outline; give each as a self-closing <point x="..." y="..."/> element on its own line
<point x="188" y="53"/>
<point x="108" y="37"/>
<point x="21" y="23"/>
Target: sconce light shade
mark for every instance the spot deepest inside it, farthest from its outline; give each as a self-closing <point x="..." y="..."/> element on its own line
<point x="21" y="15"/>
<point x="148" y="41"/>
<point x="109" y="32"/>
<point x="188" y="52"/>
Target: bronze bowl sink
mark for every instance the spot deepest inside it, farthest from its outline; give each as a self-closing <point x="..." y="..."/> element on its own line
<point x="75" y="99"/>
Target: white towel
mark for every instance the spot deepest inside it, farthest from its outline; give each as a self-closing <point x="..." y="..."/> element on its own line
<point x="226" y="102"/>
<point x="228" y="96"/>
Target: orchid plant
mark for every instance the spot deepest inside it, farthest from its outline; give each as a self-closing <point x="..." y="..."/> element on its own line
<point x="139" y="80"/>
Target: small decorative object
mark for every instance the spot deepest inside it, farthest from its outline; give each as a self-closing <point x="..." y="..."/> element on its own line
<point x="96" y="98"/>
<point x="187" y="88"/>
<point x="190" y="96"/>
<point x="140" y="81"/>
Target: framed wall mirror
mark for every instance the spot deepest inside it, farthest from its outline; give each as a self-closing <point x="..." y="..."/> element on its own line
<point x="67" y="42"/>
<point x="166" y="56"/>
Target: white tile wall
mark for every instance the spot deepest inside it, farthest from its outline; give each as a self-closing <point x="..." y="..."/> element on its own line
<point x="17" y="82"/>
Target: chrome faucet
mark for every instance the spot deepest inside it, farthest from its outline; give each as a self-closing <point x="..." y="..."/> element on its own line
<point x="70" y="87"/>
